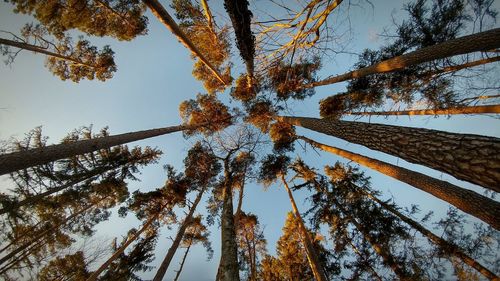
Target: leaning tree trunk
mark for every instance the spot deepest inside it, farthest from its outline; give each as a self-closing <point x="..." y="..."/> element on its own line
<point x="182" y="263"/>
<point x="467" y="157"/>
<point x="178" y="239"/>
<point x="312" y="256"/>
<point x="466" y="200"/>
<point x="27" y="158"/>
<point x="482" y="41"/>
<point x="480" y="109"/>
<point x="228" y="267"/>
<point x="447" y="247"/>
<point x="164" y="17"/>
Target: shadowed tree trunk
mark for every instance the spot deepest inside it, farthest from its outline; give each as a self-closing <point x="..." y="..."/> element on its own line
<point x="454" y="68"/>
<point x="480" y="109"/>
<point x="466" y="200"/>
<point x="27" y="158"/>
<point x="481" y="41"/>
<point x="467" y="157"/>
<point x="164" y="17"/>
<point x="312" y="256"/>
<point x="448" y="247"/>
<point x="178" y="238"/>
<point x="178" y="273"/>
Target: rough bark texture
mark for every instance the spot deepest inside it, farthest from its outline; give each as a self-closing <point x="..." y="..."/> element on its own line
<point x="467" y="157"/>
<point x="312" y="256"/>
<point x="27" y="158"/>
<point x="447" y="247"/>
<point x="481" y="207"/>
<point x="480" y="109"/>
<point x="178" y="239"/>
<point x="178" y="273"/>
<point x="228" y="267"/>
<point x="482" y="41"/>
<point x="164" y="17"/>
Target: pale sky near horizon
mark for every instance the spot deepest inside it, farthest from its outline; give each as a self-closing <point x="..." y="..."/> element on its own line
<point x="154" y="76"/>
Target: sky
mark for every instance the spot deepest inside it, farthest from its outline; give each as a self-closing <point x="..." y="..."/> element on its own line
<point x="154" y="76"/>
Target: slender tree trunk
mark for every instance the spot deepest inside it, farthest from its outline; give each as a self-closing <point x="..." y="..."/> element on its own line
<point x="480" y="109"/>
<point x="95" y="274"/>
<point x="27" y="158"/>
<point x="40" y="50"/>
<point x="38" y="236"/>
<point x="178" y="239"/>
<point x="182" y="263"/>
<point x="164" y="17"/>
<point x="455" y="68"/>
<point x="481" y="41"/>
<point x="467" y="157"/>
<point x="447" y="247"/>
<point x="466" y="200"/>
<point x="208" y="15"/>
<point x="228" y="267"/>
<point x="478" y="98"/>
<point x="312" y="256"/>
<point x="372" y="270"/>
<point x="26" y="253"/>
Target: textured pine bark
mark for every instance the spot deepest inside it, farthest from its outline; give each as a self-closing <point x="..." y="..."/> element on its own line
<point x="447" y="247"/>
<point x="482" y="41"/>
<point x="178" y="239"/>
<point x="23" y="159"/>
<point x="480" y="109"/>
<point x="467" y="157"/>
<point x="481" y="207"/>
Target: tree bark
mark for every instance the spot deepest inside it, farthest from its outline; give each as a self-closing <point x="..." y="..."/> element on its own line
<point x="182" y="263"/>
<point x="448" y="247"/>
<point x="467" y="157"/>
<point x="228" y="267"/>
<point x="164" y="17"/>
<point x="470" y="202"/>
<point x="480" y="109"/>
<point x="481" y="41"/>
<point x="27" y="158"/>
<point x="312" y="256"/>
<point x="178" y="239"/>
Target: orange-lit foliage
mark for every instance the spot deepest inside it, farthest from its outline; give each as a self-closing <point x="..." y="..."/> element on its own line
<point x="261" y="114"/>
<point x="283" y="135"/>
<point x="286" y="80"/>
<point x="244" y="90"/>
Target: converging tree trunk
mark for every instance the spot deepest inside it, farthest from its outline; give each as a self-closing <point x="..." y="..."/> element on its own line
<point x="27" y="158"/>
<point x="480" y="109"/>
<point x="178" y="238"/>
<point x="164" y="17"/>
<point x="312" y="256"/>
<point x="448" y="247"/>
<point x="481" y="41"/>
<point x="466" y="200"/>
<point x="178" y="273"/>
<point x="467" y="157"/>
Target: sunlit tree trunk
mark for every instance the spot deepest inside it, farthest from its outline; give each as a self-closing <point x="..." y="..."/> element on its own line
<point x="178" y="273"/>
<point x="164" y="17"/>
<point x="466" y="200"/>
<point x="480" y="109"/>
<point x="27" y="158"/>
<point x="208" y="15"/>
<point x="178" y="239"/>
<point x="467" y="157"/>
<point x="228" y="267"/>
<point x="482" y="41"/>
<point x="448" y="247"/>
<point x="312" y="256"/>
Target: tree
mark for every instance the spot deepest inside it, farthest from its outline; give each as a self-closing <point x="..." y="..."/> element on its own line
<point x="251" y="242"/>
<point x="65" y="59"/>
<point x="122" y="19"/>
<point x="69" y="266"/>
<point x="466" y="200"/>
<point x="480" y="109"/>
<point x="452" y="153"/>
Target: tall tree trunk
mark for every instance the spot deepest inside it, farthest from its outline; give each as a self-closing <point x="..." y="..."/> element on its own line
<point x="40" y="50"/>
<point x="208" y="15"/>
<point x="467" y="157"/>
<point x="164" y="17"/>
<point x="27" y="158"/>
<point x="312" y="256"/>
<point x="448" y="247"/>
<point x="178" y="239"/>
<point x="466" y="200"/>
<point x="382" y="251"/>
<point x="25" y="254"/>
<point x="480" y="109"/>
<point x="372" y="270"/>
<point x="455" y="68"/>
<point x="182" y="263"/>
<point x="481" y="41"/>
<point x="95" y="274"/>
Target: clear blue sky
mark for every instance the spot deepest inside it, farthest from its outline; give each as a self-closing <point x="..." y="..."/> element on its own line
<point x="154" y="76"/>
